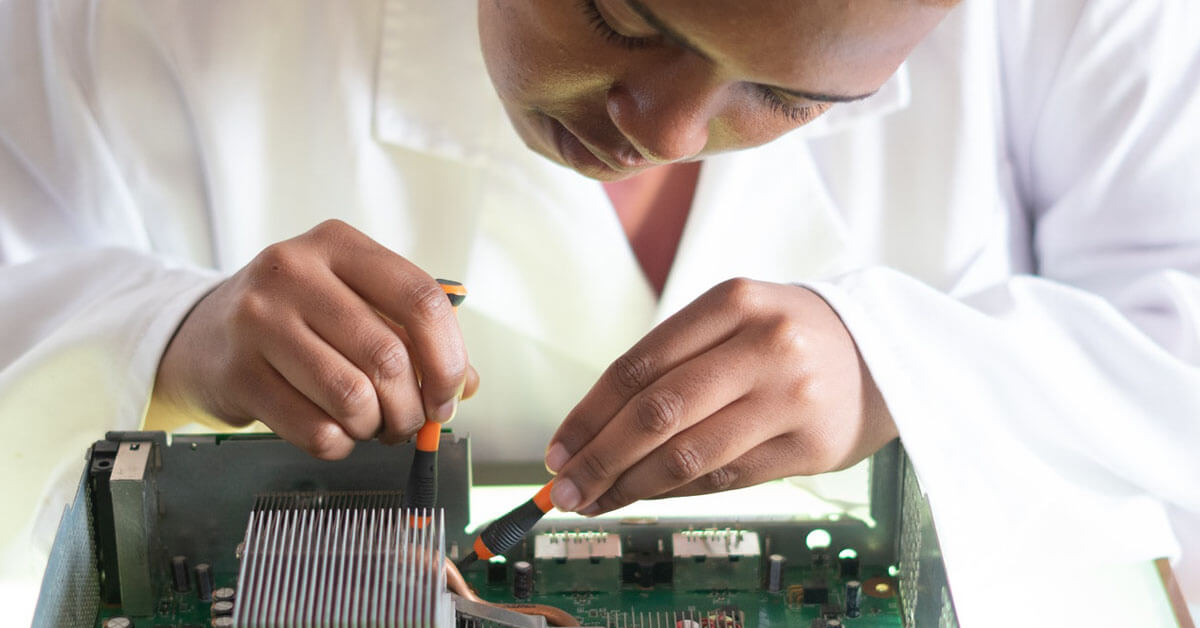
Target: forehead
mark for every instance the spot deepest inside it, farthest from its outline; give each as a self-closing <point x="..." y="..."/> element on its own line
<point x="836" y="46"/>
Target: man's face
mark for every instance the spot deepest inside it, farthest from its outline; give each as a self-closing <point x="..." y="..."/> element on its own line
<point x="612" y="87"/>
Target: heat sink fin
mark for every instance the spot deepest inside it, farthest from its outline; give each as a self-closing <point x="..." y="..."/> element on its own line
<point x="342" y="559"/>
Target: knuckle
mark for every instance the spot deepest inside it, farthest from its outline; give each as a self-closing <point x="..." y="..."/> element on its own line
<point x="741" y="293"/>
<point x="801" y="387"/>
<point x="389" y="360"/>
<point x="809" y="449"/>
<point x="280" y="257"/>
<point x="719" y="479"/>
<point x="395" y="437"/>
<point x="330" y="239"/>
<point x="631" y="372"/>
<point x="402" y="425"/>
<point x="786" y="336"/>
<point x="328" y="442"/>
<point x="428" y="302"/>
<point x="658" y="411"/>
<point x="350" y="395"/>
<point x="683" y="463"/>
<point x="614" y="498"/>
<point x="410" y="424"/>
<point x="593" y="467"/>
<point x="252" y="310"/>
<point x="330" y="227"/>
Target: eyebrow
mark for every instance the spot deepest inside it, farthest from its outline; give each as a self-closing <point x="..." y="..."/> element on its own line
<point x="683" y="42"/>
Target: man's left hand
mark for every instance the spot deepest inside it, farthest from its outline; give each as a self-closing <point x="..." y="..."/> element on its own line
<point x="752" y="381"/>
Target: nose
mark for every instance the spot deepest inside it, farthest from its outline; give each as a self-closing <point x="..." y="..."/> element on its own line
<point x="664" y="109"/>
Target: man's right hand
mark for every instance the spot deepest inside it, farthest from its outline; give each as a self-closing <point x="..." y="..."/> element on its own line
<point x="327" y="338"/>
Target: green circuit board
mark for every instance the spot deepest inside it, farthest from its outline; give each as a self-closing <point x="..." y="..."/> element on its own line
<point x="177" y="610"/>
<point x="636" y="573"/>
<point x="632" y="605"/>
<point x="626" y="604"/>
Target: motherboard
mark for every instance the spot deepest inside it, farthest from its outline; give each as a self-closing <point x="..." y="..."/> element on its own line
<point x="244" y="530"/>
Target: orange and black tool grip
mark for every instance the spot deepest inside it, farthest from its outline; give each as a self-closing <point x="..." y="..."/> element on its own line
<point x="422" y="479"/>
<point x="454" y="290"/>
<point x="504" y="533"/>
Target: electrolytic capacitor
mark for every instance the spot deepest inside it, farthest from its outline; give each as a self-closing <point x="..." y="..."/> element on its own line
<point x="224" y="607"/>
<point x="204" y="582"/>
<point x="848" y="566"/>
<point x="522" y="584"/>
<point x="179" y="573"/>
<point x="775" y="565"/>
<point x="224" y="621"/>
<point x="224" y="594"/>
<point x="118" y="622"/>
<point x="853" y="598"/>
<point x="497" y="570"/>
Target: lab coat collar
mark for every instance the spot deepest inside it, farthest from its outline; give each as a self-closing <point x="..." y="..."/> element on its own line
<point x="436" y="44"/>
<point x="463" y="120"/>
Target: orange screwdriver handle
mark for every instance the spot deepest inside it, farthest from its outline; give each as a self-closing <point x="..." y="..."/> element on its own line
<point x="422" y="478"/>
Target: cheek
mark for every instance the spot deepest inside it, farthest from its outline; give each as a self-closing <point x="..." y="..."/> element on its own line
<point x="508" y="54"/>
<point x="537" y="54"/>
<point x="751" y="122"/>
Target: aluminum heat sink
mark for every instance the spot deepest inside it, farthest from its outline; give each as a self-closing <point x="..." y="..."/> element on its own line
<point x="342" y="559"/>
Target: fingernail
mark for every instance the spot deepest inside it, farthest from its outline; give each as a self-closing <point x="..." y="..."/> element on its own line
<point x="564" y="495"/>
<point x="446" y="411"/>
<point x="590" y="510"/>
<point x="556" y="457"/>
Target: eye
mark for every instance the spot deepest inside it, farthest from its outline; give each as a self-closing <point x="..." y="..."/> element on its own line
<point x="795" y="112"/>
<point x="602" y="26"/>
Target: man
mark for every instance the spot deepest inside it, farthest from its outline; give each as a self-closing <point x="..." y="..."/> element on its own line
<point x="997" y="240"/>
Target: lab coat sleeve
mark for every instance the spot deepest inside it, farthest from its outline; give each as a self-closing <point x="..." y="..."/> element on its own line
<point x="86" y="306"/>
<point x="79" y="266"/>
<point x="1058" y="414"/>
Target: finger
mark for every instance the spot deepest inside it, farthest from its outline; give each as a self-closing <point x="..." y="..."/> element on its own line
<point x="706" y="322"/>
<point x="357" y="331"/>
<point x="680" y="399"/>
<point x="324" y="376"/>
<point x="410" y="297"/>
<point x="470" y="387"/>
<point x="296" y="419"/>
<point x="702" y="449"/>
<point x="472" y="383"/>
<point x="779" y="457"/>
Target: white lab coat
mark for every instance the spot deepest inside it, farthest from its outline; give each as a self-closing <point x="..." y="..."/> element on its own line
<point x="1010" y="230"/>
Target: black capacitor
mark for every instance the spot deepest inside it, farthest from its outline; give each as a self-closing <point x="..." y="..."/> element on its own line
<point x="224" y="621"/>
<point x="179" y="573"/>
<point x="224" y="594"/>
<point x="775" y="564"/>
<point x="522" y="584"/>
<point x="204" y="582"/>
<point x="853" y="598"/>
<point x="849" y="566"/>
<point x="833" y="623"/>
<point x="816" y="592"/>
<point x="497" y="570"/>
